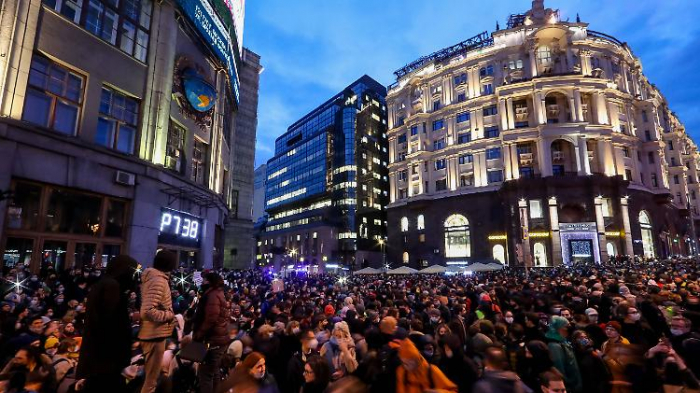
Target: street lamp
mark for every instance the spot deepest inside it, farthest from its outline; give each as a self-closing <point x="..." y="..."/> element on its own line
<point x="382" y="248"/>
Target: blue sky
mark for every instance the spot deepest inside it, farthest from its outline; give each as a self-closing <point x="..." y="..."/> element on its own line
<point x="311" y="49"/>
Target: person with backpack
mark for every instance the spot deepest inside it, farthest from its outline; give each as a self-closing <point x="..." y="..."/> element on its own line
<point x="211" y="328"/>
<point x="62" y="362"/>
<point x="416" y="375"/>
<point x="157" y="317"/>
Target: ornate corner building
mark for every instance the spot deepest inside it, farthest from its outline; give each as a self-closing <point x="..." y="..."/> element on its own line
<point x="118" y="129"/>
<point x="540" y="144"/>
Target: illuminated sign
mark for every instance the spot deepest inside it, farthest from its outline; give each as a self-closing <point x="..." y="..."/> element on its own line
<point x="578" y="227"/>
<point x="180" y="229"/>
<point x="207" y="23"/>
<point x="497" y="237"/>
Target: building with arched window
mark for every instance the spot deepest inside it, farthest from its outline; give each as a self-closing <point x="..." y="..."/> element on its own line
<point x="547" y="138"/>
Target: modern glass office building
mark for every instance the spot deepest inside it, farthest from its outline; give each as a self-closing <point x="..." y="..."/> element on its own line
<point x="327" y="185"/>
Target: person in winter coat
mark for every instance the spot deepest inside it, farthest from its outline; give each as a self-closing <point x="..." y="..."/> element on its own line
<point x="250" y="375"/>
<point x="211" y="327"/>
<point x="157" y="317"/>
<point x="339" y="352"/>
<point x="457" y="367"/>
<point x="416" y="375"/>
<point x="317" y="375"/>
<point x="106" y="342"/>
<point x="591" y="363"/>
<point x="496" y="378"/>
<point x="563" y="354"/>
<point x="535" y="359"/>
<point x="295" y="367"/>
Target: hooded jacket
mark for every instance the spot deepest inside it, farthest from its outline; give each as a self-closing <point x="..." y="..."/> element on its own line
<point x="424" y="377"/>
<point x="157" y="318"/>
<point x="501" y="382"/>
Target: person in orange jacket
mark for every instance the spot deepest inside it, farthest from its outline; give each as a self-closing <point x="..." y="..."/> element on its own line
<point x="417" y="376"/>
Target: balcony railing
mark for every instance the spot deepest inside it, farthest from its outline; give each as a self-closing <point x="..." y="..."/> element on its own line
<point x="557" y="156"/>
<point x="526" y="159"/>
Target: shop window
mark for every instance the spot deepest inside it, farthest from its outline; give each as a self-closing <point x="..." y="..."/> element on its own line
<point x="23" y="212"/>
<point x="54" y="96"/>
<point x="457" y="237"/>
<point x="73" y="212"/>
<point x="175" y="148"/>
<point x="499" y="253"/>
<point x="116" y="126"/>
<point x="18" y="251"/>
<point x="540" y="254"/>
<point x="199" y="161"/>
<point x="536" y="209"/>
<point x="84" y="255"/>
<point x="53" y="255"/>
<point x="647" y="234"/>
<point x="116" y="211"/>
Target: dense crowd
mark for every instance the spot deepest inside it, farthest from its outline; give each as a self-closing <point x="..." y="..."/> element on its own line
<point x="621" y="327"/>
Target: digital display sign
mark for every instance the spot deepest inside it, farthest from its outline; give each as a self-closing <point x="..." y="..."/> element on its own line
<point x="180" y="229"/>
<point x="208" y="25"/>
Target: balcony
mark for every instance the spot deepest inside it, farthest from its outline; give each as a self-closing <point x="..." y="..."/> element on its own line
<point x="521" y="114"/>
<point x="557" y="156"/>
<point x="590" y="155"/>
<point x="553" y="110"/>
<point x="526" y="159"/>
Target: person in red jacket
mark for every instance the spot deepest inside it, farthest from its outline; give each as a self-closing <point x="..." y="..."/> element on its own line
<point x="211" y="327"/>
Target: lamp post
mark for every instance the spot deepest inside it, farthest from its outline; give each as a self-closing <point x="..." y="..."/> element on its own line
<point x="382" y="248"/>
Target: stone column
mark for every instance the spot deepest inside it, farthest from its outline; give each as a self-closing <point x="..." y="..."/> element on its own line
<point x="619" y="161"/>
<point x="511" y="113"/>
<point x="533" y="61"/>
<point x="479" y="130"/>
<point x="544" y="156"/>
<point x="447" y="89"/>
<point x="607" y="161"/>
<point x="572" y="109"/>
<point x="515" y="161"/>
<point x="507" y="162"/>
<point x="600" y="228"/>
<point x="601" y="108"/>
<point x="525" y="229"/>
<point x="578" y="108"/>
<point x="473" y="123"/>
<point x="624" y="208"/>
<point x="19" y="22"/>
<point x="503" y="114"/>
<point x="451" y="133"/>
<point x="390" y="115"/>
<point x="161" y="60"/>
<point x="586" y="69"/>
<point x="585" y="166"/>
<point x="482" y="169"/>
<point x="554" y="227"/>
<point x="452" y="172"/>
<point x="540" y="109"/>
<point x="394" y="186"/>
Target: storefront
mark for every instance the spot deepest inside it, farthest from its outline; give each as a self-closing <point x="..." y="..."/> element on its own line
<point x="50" y="226"/>
<point x="181" y="233"/>
<point x="579" y="243"/>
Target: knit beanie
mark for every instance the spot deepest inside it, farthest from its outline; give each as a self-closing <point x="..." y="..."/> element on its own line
<point x="615" y="325"/>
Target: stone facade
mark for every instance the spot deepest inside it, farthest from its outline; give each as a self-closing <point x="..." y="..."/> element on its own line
<point x="527" y="133"/>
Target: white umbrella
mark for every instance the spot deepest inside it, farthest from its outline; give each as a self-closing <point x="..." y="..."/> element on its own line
<point x="495" y="266"/>
<point x="435" y="269"/>
<point x="403" y="270"/>
<point x="478" y="267"/>
<point x="368" y="270"/>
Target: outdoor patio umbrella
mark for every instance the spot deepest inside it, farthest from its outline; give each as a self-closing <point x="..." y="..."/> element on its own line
<point x="435" y="269"/>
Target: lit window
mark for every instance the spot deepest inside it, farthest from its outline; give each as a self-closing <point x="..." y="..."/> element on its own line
<point x="199" y="161"/>
<point x="536" y="209"/>
<point x="465" y="159"/>
<point x="438" y="124"/>
<point x="544" y="55"/>
<point x="606" y="206"/>
<point x="493" y="153"/>
<point x="457" y="237"/>
<point x="440" y="164"/>
<point x="404" y="224"/>
<point x="405" y="258"/>
<point x="494" y="176"/>
<point x="462" y="117"/>
<point x="420" y="225"/>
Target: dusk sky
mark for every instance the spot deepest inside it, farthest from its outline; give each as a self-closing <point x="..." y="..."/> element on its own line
<point x="311" y="49"/>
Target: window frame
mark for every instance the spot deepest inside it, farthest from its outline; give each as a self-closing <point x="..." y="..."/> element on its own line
<point x="119" y="122"/>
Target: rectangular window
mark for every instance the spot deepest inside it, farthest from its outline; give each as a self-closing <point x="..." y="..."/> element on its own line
<point x="466" y="158"/>
<point x="493" y="153"/>
<point x="402" y="138"/>
<point x="440" y="164"/>
<point x="650" y="157"/>
<point x="436" y="105"/>
<point x="654" y="180"/>
<point x="414" y="130"/>
<point x="199" y="161"/>
<point x="460" y="79"/>
<point x="628" y="174"/>
<point x="606" y="206"/>
<point x="645" y="118"/>
<point x="647" y="135"/>
<point x="670" y="145"/>
<point x="491" y="132"/>
<point x="116" y="126"/>
<point x="626" y="152"/>
<point x="403" y="175"/>
<point x="462" y="117"/>
<point x="175" y="148"/>
<point x="438" y="124"/>
<point x="487" y="89"/>
<point x="515" y="64"/>
<point x="536" y="208"/>
<point x="490" y="110"/>
<point x="486" y="71"/>
<point x="439" y="144"/>
<point x="461" y="97"/>
<point x="466" y="180"/>
<point x="676" y="180"/>
<point x="495" y="176"/>
<point x="54" y="96"/>
<point x="464" y="138"/>
<point x="441" y="185"/>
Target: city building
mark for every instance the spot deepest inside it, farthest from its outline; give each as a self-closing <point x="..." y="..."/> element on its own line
<point x="239" y="247"/>
<point x="117" y="129"/>
<point x="327" y="185"/>
<point x="259" y="183"/>
<point x="537" y="145"/>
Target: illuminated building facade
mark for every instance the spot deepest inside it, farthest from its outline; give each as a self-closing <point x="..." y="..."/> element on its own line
<point x="540" y="144"/>
<point x="327" y="185"/>
<point x="116" y="130"/>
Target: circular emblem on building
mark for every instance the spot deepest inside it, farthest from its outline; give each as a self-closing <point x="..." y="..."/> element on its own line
<point x="195" y="95"/>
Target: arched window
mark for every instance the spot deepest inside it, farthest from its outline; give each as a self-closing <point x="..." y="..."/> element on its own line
<point x="421" y="223"/>
<point x="499" y="253"/>
<point x="544" y="55"/>
<point x="647" y="236"/>
<point x="404" y="224"/>
<point x="540" y="255"/>
<point x="457" y="243"/>
<point x="610" y="248"/>
<point x="405" y="257"/>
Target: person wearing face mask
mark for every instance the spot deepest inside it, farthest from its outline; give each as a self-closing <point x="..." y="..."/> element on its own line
<point x="339" y="352"/>
<point x="251" y="373"/>
<point x="295" y="366"/>
<point x="590" y="363"/>
<point x="636" y="331"/>
<point x="562" y="353"/>
<point x="317" y="375"/>
<point x="686" y="342"/>
<point x="457" y="367"/>
<point x="593" y="329"/>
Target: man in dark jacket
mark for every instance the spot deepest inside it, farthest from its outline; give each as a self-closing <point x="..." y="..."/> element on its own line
<point x="295" y="368"/>
<point x="106" y="345"/>
<point x="496" y="378"/>
<point x="211" y="327"/>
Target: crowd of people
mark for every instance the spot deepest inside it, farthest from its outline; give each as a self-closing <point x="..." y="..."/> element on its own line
<point x="619" y="327"/>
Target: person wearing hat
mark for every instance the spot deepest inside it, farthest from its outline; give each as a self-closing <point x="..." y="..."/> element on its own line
<point x="416" y="375"/>
<point x="563" y="355"/>
<point x="157" y="317"/>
